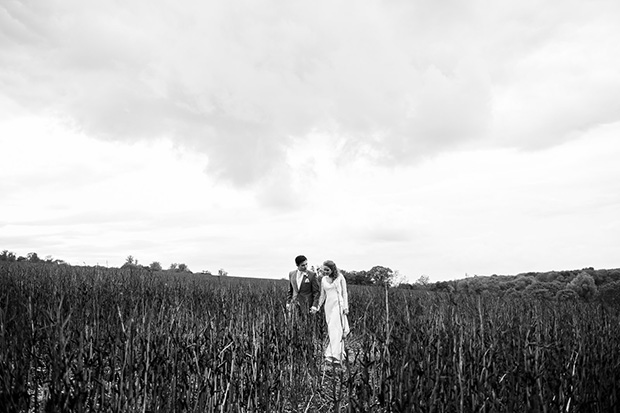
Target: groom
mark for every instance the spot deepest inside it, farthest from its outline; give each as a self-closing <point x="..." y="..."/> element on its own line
<point x="303" y="291"/>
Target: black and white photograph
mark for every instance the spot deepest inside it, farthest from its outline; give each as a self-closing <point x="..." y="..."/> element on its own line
<point x="320" y="206"/>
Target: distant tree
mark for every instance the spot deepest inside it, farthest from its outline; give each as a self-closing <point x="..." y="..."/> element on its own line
<point x="222" y="273"/>
<point x="206" y="272"/>
<point x="610" y="293"/>
<point x="33" y="257"/>
<point x="174" y="266"/>
<point x="590" y="270"/>
<point x="506" y="285"/>
<point x="554" y="287"/>
<point x="491" y="285"/>
<point x="583" y="284"/>
<point x="522" y="281"/>
<point x="357" y="277"/>
<point x="537" y="290"/>
<point x="472" y="285"/>
<point x="544" y="289"/>
<point x="423" y="280"/>
<point x="513" y="293"/>
<point x="381" y="275"/>
<point x="130" y="262"/>
<point x="7" y="256"/>
<point x="566" y="294"/>
<point x="422" y="283"/>
<point x="183" y="268"/>
<point x="444" y="286"/>
<point x="155" y="266"/>
<point x="547" y="276"/>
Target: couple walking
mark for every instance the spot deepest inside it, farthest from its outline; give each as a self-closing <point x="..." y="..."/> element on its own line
<point x="308" y="292"/>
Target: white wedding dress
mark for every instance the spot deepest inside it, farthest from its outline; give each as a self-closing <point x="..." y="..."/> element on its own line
<point x="334" y="294"/>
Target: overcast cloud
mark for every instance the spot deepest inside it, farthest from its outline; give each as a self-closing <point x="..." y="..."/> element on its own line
<point x="433" y="137"/>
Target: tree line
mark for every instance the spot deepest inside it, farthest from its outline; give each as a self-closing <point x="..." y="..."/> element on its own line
<point x="377" y="275"/>
<point x="130" y="262"/>
<point x="585" y="284"/>
<point x="9" y="256"/>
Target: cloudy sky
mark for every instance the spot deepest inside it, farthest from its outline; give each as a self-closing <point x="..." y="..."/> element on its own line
<point x="437" y="138"/>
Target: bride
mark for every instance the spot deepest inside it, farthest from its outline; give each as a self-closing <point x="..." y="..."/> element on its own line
<point x="334" y="295"/>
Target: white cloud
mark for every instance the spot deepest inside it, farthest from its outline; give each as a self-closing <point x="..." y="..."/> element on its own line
<point x="500" y="211"/>
<point x="237" y="81"/>
<point x="432" y="137"/>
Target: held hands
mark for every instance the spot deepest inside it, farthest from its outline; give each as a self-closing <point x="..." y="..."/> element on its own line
<point x="345" y="311"/>
<point x="314" y="310"/>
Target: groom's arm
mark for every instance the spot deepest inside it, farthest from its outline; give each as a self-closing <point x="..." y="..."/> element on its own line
<point x="289" y="296"/>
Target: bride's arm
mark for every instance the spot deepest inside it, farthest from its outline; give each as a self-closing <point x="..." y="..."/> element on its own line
<point x="321" y="298"/>
<point x="345" y="294"/>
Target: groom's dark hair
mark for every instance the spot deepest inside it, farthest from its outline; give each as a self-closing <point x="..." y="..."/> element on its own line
<point x="299" y="259"/>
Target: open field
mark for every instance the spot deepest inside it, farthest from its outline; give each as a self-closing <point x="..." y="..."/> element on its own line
<point x="97" y="339"/>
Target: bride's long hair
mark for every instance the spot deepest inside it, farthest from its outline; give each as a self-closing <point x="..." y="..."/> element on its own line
<point x="332" y="266"/>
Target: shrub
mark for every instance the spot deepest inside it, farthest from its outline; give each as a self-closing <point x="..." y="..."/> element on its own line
<point x="610" y="294"/>
<point x="583" y="284"/>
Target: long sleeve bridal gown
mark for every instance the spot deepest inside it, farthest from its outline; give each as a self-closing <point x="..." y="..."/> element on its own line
<point x="334" y="294"/>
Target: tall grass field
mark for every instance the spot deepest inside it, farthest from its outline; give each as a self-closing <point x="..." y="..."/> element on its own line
<point x="76" y="339"/>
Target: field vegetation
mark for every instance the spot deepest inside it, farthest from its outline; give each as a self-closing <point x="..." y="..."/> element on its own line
<point x="134" y="340"/>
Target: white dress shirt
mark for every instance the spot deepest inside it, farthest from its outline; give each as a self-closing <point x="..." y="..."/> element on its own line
<point x="300" y="278"/>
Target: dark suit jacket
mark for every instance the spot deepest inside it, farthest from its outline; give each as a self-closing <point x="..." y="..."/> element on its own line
<point x="309" y="292"/>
